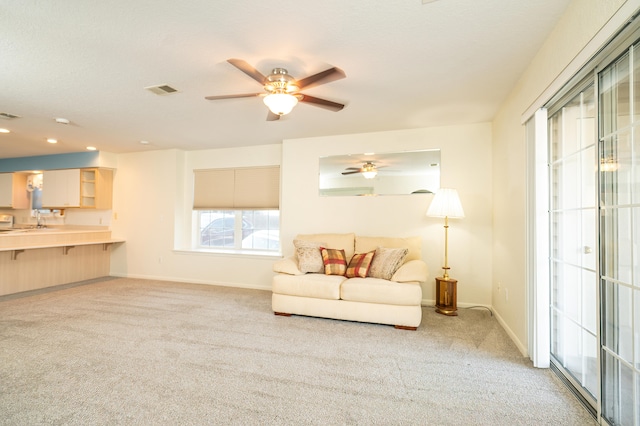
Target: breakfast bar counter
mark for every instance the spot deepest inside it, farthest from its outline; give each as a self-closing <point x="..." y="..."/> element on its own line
<point x="34" y="258"/>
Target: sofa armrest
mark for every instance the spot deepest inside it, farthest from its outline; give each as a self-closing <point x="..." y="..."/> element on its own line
<point x="413" y="270"/>
<point x="288" y="265"/>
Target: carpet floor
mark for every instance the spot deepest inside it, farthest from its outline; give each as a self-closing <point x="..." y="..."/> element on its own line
<point x="129" y="351"/>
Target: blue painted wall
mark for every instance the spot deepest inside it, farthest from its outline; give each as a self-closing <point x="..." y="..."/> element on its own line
<point x="74" y="160"/>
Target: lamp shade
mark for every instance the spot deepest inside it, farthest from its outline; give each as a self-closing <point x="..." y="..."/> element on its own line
<point x="280" y="103"/>
<point x="446" y="203"/>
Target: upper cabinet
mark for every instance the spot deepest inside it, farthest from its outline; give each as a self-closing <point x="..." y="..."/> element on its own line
<point x="61" y="188"/>
<point x="84" y="188"/>
<point x="96" y="188"/>
<point x="13" y="191"/>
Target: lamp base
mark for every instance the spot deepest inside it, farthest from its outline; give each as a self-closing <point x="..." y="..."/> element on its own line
<point x="446" y="296"/>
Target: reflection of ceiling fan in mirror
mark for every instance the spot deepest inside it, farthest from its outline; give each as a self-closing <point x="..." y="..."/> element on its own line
<point x="283" y="91"/>
<point x="368" y="170"/>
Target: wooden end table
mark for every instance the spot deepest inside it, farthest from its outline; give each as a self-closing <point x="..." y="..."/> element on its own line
<point x="446" y="296"/>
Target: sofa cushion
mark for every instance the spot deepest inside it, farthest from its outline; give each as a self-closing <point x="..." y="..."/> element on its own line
<point x="386" y="262"/>
<point x="411" y="271"/>
<point x="359" y="265"/>
<point x="319" y="286"/>
<point x="288" y="265"/>
<point x="374" y="290"/>
<point x="309" y="256"/>
<point x="413" y="244"/>
<point x="345" y="242"/>
<point x="335" y="261"/>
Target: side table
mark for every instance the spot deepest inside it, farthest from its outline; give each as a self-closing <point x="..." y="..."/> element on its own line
<point x="446" y="296"/>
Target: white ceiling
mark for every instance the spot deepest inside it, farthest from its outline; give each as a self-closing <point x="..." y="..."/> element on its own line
<point x="408" y="65"/>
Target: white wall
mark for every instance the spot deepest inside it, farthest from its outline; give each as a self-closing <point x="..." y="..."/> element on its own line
<point x="153" y="198"/>
<point x="466" y="166"/>
<point x="579" y="25"/>
<point x="152" y="203"/>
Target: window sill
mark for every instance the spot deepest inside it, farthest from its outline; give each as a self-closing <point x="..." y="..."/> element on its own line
<point x="231" y="253"/>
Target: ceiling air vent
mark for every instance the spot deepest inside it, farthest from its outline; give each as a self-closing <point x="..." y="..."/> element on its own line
<point x="162" y="89"/>
<point x="8" y="116"/>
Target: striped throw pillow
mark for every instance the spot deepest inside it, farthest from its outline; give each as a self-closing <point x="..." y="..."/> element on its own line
<point x="359" y="265"/>
<point x="335" y="261"/>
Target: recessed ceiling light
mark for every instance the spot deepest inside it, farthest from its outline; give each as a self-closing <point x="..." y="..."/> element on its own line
<point x="91" y="148"/>
<point x="51" y="140"/>
<point x="144" y="142"/>
<point x="62" y="121"/>
<point x="5" y="131"/>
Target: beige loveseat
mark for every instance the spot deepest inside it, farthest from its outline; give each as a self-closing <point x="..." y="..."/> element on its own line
<point x="395" y="301"/>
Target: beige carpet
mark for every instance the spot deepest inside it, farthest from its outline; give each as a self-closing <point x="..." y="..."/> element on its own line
<point x="125" y="351"/>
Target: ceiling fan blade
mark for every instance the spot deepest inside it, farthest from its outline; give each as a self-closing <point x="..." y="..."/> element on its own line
<point x="322" y="103"/>
<point x="246" y="95"/>
<point x="323" y="77"/>
<point x="247" y="69"/>
<point x="350" y="173"/>
<point x="272" y="117"/>
<point x="353" y="168"/>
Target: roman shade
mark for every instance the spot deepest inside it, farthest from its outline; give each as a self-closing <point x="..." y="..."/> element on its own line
<point x="251" y="188"/>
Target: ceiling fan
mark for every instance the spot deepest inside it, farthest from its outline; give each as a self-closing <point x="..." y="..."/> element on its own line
<point x="283" y="91"/>
<point x="368" y="170"/>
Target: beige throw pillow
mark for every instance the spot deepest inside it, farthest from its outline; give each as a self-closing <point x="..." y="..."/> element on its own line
<point x="386" y="262"/>
<point x="309" y="256"/>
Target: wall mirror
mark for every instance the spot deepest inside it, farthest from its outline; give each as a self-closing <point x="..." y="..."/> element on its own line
<point x="408" y="172"/>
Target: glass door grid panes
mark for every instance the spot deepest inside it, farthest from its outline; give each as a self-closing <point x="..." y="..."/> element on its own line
<point x="573" y="264"/>
<point x="619" y="154"/>
<point x="594" y="219"/>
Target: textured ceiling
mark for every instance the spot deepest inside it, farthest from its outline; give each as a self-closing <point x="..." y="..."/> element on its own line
<point x="408" y="65"/>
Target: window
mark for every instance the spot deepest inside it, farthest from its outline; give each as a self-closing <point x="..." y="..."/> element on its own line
<point x="238" y="209"/>
<point x="239" y="229"/>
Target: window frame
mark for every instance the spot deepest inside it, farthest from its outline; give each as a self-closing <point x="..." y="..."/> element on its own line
<point x="239" y="220"/>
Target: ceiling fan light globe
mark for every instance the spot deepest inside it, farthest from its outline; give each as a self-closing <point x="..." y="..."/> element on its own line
<point x="280" y="103"/>
<point x="369" y="174"/>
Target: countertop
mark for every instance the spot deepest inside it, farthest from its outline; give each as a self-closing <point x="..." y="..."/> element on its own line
<point x="55" y="236"/>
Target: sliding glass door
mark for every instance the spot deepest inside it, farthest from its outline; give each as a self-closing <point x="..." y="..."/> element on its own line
<point x="620" y="236"/>
<point x="573" y="263"/>
<point x="594" y="222"/>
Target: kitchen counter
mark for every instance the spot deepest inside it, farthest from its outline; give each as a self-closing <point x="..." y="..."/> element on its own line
<point x="34" y="258"/>
<point x="33" y="238"/>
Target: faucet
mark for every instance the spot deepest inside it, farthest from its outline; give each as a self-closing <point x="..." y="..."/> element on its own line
<point x="39" y="220"/>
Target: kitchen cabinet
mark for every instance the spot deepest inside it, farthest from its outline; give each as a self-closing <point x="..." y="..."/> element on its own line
<point x="61" y="188"/>
<point x="96" y="188"/>
<point x="13" y="191"/>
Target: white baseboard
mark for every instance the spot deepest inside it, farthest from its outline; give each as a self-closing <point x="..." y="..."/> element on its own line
<point x="522" y="348"/>
<point x="190" y="281"/>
